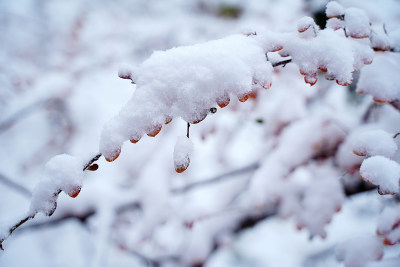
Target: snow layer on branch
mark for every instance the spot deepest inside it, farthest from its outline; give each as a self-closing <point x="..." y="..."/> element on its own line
<point x="62" y="172"/>
<point x="358" y="251"/>
<point x="186" y="82"/>
<point x="373" y="143"/>
<point x="381" y="79"/>
<point x="329" y="50"/>
<point x="383" y="172"/>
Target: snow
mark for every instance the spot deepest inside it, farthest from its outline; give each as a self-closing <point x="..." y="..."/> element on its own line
<point x="383" y="172"/>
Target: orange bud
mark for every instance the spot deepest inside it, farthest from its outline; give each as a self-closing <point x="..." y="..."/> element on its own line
<point x="113" y="156"/>
<point x="244" y="98"/>
<point x="381" y="101"/>
<point x="75" y="192"/>
<point x="359" y="153"/>
<point x="223" y="102"/>
<point x="93" y="167"/>
<point x="134" y="140"/>
<point x="154" y="131"/>
<point x="169" y="119"/>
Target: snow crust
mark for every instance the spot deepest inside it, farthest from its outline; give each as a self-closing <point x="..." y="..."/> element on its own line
<point x="62" y="172"/>
<point x="383" y="172"/>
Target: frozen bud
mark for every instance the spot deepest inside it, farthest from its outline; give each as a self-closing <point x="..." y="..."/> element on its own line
<point x="125" y="72"/>
<point x="334" y="9"/>
<point x="335" y="24"/>
<point x="307" y="27"/>
<point x="357" y="23"/>
<point x="383" y="172"/>
<point x="373" y="143"/>
<point x="182" y="151"/>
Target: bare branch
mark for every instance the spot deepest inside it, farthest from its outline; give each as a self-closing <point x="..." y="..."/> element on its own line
<point x="17" y="187"/>
<point x="222" y="177"/>
<point x="12" y="119"/>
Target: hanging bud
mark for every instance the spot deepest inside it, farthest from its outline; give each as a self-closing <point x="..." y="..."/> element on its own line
<point x="182" y="151"/>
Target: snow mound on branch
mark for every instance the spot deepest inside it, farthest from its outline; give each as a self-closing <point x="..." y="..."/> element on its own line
<point x="62" y="172"/>
<point x="383" y="172"/>
<point x="186" y="82"/>
<point x="359" y="251"/>
<point x="373" y="143"/>
<point x="381" y="79"/>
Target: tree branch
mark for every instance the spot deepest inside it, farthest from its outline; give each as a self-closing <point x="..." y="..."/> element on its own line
<point x="31" y="216"/>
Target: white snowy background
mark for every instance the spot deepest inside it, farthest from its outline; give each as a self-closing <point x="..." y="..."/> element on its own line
<point x="284" y="158"/>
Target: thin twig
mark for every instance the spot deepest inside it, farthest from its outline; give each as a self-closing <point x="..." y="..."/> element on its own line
<point x="283" y="62"/>
<point x="187" y="133"/>
<point x="12" y="119"/>
<point x="8" y="182"/>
